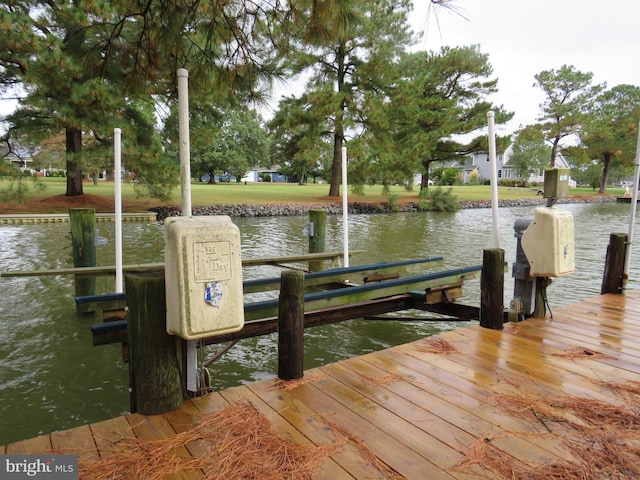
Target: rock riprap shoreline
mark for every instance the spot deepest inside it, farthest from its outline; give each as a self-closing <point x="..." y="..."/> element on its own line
<point x="282" y="209"/>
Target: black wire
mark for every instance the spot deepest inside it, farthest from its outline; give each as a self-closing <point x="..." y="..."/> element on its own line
<point x="545" y="300"/>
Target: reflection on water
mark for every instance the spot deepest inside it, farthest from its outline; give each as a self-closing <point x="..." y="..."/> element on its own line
<point x="52" y="378"/>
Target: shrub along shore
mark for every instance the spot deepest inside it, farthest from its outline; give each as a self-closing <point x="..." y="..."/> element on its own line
<point x="276" y="209"/>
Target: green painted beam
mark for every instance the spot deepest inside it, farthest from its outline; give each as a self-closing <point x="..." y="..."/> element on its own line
<point x="358" y="294"/>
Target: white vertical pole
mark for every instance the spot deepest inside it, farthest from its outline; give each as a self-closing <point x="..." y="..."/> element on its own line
<point x="494" y="179"/>
<point x="117" y="174"/>
<point x="185" y="154"/>
<point x="345" y="208"/>
<point x="185" y="189"/>
<point x="632" y="215"/>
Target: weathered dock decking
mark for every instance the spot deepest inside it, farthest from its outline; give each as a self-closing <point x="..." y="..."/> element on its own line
<point x="470" y="403"/>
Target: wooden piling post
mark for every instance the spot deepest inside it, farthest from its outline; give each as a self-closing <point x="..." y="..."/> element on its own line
<point x="156" y="386"/>
<point x="614" y="279"/>
<point x="83" y="242"/>
<point x="318" y="217"/>
<point x="291" y="325"/>
<point x="492" y="289"/>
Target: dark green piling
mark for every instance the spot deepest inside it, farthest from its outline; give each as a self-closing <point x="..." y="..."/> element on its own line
<point x="614" y="279"/>
<point x="156" y="384"/>
<point x="492" y="289"/>
<point x="291" y="325"/>
<point x="318" y="218"/>
<point x="83" y="242"/>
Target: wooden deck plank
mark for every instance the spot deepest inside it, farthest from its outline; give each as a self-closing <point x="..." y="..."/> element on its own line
<point x="330" y="469"/>
<point x="441" y="379"/>
<point x="377" y="385"/>
<point x="77" y="440"/>
<point x="555" y="344"/>
<point x="621" y="357"/>
<point x="460" y="426"/>
<point x="313" y="427"/>
<point x="109" y="433"/>
<point x="157" y="427"/>
<point x="370" y="408"/>
<point x="388" y="449"/>
<point x="182" y="420"/>
<point x="419" y="412"/>
<point x="38" y="444"/>
<point x="584" y="317"/>
<point x="209" y="403"/>
<point x="622" y="340"/>
<point x="525" y="367"/>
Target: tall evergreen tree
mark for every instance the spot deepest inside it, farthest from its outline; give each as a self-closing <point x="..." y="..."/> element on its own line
<point x="530" y="153"/>
<point x="347" y="46"/>
<point x="610" y="131"/>
<point x="81" y="62"/>
<point x="568" y="94"/>
<point x="440" y="97"/>
<point x="301" y="139"/>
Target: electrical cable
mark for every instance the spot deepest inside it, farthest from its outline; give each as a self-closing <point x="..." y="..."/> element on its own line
<point x="545" y="301"/>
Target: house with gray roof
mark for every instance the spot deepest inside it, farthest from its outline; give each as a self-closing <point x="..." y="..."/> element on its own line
<point x="480" y="162"/>
<point x="10" y="157"/>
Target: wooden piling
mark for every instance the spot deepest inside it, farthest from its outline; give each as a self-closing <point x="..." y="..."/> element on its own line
<point x="614" y="279"/>
<point x="291" y="325"/>
<point x="316" y="241"/>
<point x="156" y="385"/>
<point x="492" y="289"/>
<point x="83" y="242"/>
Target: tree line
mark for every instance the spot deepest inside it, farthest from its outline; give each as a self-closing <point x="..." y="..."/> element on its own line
<point x="82" y="67"/>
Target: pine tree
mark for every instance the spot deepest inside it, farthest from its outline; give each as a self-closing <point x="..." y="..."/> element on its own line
<point x="83" y="65"/>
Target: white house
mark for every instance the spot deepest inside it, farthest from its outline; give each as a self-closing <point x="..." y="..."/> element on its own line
<point x="480" y="162"/>
<point x="12" y="158"/>
<point x="255" y="174"/>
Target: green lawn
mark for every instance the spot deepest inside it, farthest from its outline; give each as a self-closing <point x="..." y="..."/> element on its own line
<point x="262" y="193"/>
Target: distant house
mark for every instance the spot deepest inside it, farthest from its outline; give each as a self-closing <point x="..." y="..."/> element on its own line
<point x="480" y="162"/>
<point x="256" y="174"/>
<point x="10" y="157"/>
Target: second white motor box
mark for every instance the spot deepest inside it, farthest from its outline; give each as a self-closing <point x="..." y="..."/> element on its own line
<point x="548" y="243"/>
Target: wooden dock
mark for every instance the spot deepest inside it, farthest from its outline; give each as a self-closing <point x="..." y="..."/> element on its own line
<point x="32" y="219"/>
<point x="542" y="396"/>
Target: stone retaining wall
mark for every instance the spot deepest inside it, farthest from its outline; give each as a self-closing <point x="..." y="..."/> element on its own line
<point x="276" y="209"/>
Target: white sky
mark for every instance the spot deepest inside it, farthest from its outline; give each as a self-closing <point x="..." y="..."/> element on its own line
<point x="523" y="38"/>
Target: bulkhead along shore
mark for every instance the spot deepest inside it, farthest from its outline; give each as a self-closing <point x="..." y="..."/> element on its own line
<point x="282" y="209"/>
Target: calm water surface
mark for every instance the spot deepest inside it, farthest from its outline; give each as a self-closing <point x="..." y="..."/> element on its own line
<point x="52" y="378"/>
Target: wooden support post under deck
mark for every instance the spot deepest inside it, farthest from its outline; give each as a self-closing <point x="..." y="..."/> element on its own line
<point x="492" y="289"/>
<point x="291" y="325"/>
<point x="83" y="242"/>
<point x="316" y="241"/>
<point x="156" y="386"/>
<point x="614" y="279"/>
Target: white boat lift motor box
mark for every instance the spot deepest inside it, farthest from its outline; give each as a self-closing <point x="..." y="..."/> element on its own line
<point x="548" y="243"/>
<point x="203" y="276"/>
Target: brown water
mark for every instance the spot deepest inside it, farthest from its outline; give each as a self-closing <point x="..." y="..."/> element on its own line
<point x="51" y="377"/>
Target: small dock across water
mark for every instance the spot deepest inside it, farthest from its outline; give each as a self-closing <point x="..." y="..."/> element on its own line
<point x="32" y="219"/>
<point x="545" y="395"/>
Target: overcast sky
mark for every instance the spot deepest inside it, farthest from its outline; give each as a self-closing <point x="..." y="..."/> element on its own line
<point x="523" y="38"/>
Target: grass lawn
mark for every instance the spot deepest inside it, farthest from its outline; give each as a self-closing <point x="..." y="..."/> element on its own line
<point x="51" y="199"/>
